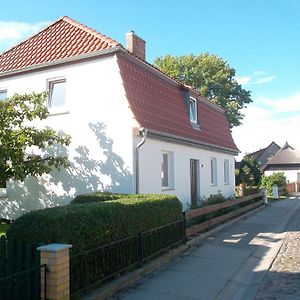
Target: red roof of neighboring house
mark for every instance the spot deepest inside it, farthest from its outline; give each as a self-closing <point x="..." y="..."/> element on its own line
<point x="64" y="38"/>
<point x="160" y="105"/>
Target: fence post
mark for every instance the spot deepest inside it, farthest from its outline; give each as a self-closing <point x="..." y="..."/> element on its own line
<point x="57" y="261"/>
<point x="265" y="197"/>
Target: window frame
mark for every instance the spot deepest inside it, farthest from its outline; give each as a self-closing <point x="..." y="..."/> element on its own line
<point x="213" y="171"/>
<point x="193" y="120"/>
<point x="50" y="83"/>
<point x="226" y="171"/>
<point x="3" y="90"/>
<point x="170" y="170"/>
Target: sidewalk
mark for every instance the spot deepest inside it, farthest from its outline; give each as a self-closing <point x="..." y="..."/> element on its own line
<point x="231" y="264"/>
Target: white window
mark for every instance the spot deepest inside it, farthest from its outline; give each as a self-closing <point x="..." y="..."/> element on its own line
<point x="57" y="93"/>
<point x="167" y="170"/>
<point x="3" y="94"/>
<point x="213" y="171"/>
<point x="226" y="171"/>
<point x="193" y="110"/>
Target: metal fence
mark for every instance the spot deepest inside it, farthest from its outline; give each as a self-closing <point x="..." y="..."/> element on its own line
<point x="93" y="267"/>
<point x="20" y="270"/>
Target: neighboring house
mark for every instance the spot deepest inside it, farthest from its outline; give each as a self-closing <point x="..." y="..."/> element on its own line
<point x="133" y="128"/>
<point x="263" y="155"/>
<point x="286" y="160"/>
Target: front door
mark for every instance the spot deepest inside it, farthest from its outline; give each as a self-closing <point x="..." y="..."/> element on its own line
<point x="195" y="181"/>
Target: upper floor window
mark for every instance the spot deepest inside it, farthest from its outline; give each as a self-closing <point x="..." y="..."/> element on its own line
<point x="193" y="110"/>
<point x="57" y="92"/>
<point x="213" y="171"/>
<point x="3" y="94"/>
<point x="167" y="170"/>
<point x="226" y="171"/>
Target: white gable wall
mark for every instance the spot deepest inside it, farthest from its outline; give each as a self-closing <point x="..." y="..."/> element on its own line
<point x="150" y="170"/>
<point x="100" y="123"/>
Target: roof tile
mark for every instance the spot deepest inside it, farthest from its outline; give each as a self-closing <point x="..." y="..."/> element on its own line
<point x="64" y="38"/>
<point x="159" y="105"/>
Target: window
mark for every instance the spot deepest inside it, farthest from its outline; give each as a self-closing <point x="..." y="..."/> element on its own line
<point x="193" y="110"/>
<point x="226" y="171"/>
<point x="57" y="93"/>
<point x="3" y="94"/>
<point x="167" y="170"/>
<point x="213" y="171"/>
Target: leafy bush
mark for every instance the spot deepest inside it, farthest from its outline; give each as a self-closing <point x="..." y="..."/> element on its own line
<point x="275" y="179"/>
<point x="97" y="197"/>
<point x="92" y="224"/>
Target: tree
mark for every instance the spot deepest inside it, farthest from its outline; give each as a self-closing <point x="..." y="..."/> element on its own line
<point x="249" y="172"/>
<point x="278" y="179"/>
<point x="212" y="77"/>
<point x="22" y="146"/>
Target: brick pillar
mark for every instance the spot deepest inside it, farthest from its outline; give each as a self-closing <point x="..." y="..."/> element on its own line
<point x="56" y="257"/>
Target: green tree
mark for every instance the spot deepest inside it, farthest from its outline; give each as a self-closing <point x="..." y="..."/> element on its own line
<point x="249" y="172"/>
<point x="212" y="77"/>
<point x="22" y="146"/>
<point x="275" y="179"/>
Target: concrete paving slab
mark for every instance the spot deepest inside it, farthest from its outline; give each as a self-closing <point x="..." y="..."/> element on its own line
<point x="221" y="252"/>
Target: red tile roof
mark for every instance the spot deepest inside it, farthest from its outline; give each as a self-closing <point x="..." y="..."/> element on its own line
<point x="64" y="38"/>
<point x="158" y="102"/>
<point x="160" y="105"/>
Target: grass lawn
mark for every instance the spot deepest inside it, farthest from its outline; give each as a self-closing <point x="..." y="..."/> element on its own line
<point x="3" y="229"/>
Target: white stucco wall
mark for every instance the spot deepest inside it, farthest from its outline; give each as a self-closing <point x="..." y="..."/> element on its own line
<point x="100" y="123"/>
<point x="150" y="170"/>
<point x="291" y="175"/>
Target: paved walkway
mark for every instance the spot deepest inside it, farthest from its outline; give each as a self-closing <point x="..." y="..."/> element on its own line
<point x="283" y="279"/>
<point x="234" y="263"/>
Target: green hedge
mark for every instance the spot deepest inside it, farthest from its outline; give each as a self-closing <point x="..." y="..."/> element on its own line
<point x="97" y="197"/>
<point x="88" y="225"/>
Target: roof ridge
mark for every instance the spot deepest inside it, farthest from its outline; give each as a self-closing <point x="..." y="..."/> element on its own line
<point x="93" y="32"/>
<point x="72" y="22"/>
<point x="28" y="38"/>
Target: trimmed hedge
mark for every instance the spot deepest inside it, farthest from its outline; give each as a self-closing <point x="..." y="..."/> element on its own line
<point x="92" y="224"/>
<point x="107" y="196"/>
<point x="98" y="197"/>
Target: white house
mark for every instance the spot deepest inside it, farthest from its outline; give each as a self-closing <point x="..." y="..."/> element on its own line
<point x="134" y="129"/>
<point x="287" y="161"/>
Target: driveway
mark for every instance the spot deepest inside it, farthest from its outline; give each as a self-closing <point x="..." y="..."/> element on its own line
<point x="234" y="263"/>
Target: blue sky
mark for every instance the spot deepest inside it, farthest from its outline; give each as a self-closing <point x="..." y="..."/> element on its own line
<point x="258" y="38"/>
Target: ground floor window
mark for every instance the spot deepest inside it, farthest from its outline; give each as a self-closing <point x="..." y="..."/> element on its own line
<point x="167" y="170"/>
<point x="226" y="171"/>
<point x="213" y="171"/>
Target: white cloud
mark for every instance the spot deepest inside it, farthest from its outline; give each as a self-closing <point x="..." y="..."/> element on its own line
<point x="14" y="32"/>
<point x="264" y="124"/>
<point x="288" y="104"/>
<point x="257" y="77"/>
<point x="264" y="79"/>
<point x="243" y="80"/>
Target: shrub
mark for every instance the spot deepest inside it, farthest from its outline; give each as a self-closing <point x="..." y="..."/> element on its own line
<point x="275" y="179"/>
<point x="97" y="197"/>
<point x="92" y="224"/>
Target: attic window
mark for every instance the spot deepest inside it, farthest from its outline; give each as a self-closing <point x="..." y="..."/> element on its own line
<point x="3" y="94"/>
<point x="57" y="93"/>
<point x="193" y="110"/>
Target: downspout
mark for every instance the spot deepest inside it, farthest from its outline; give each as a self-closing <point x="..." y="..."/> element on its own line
<point x="137" y="158"/>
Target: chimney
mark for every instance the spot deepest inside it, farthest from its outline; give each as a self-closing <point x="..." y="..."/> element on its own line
<point x="135" y="45"/>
